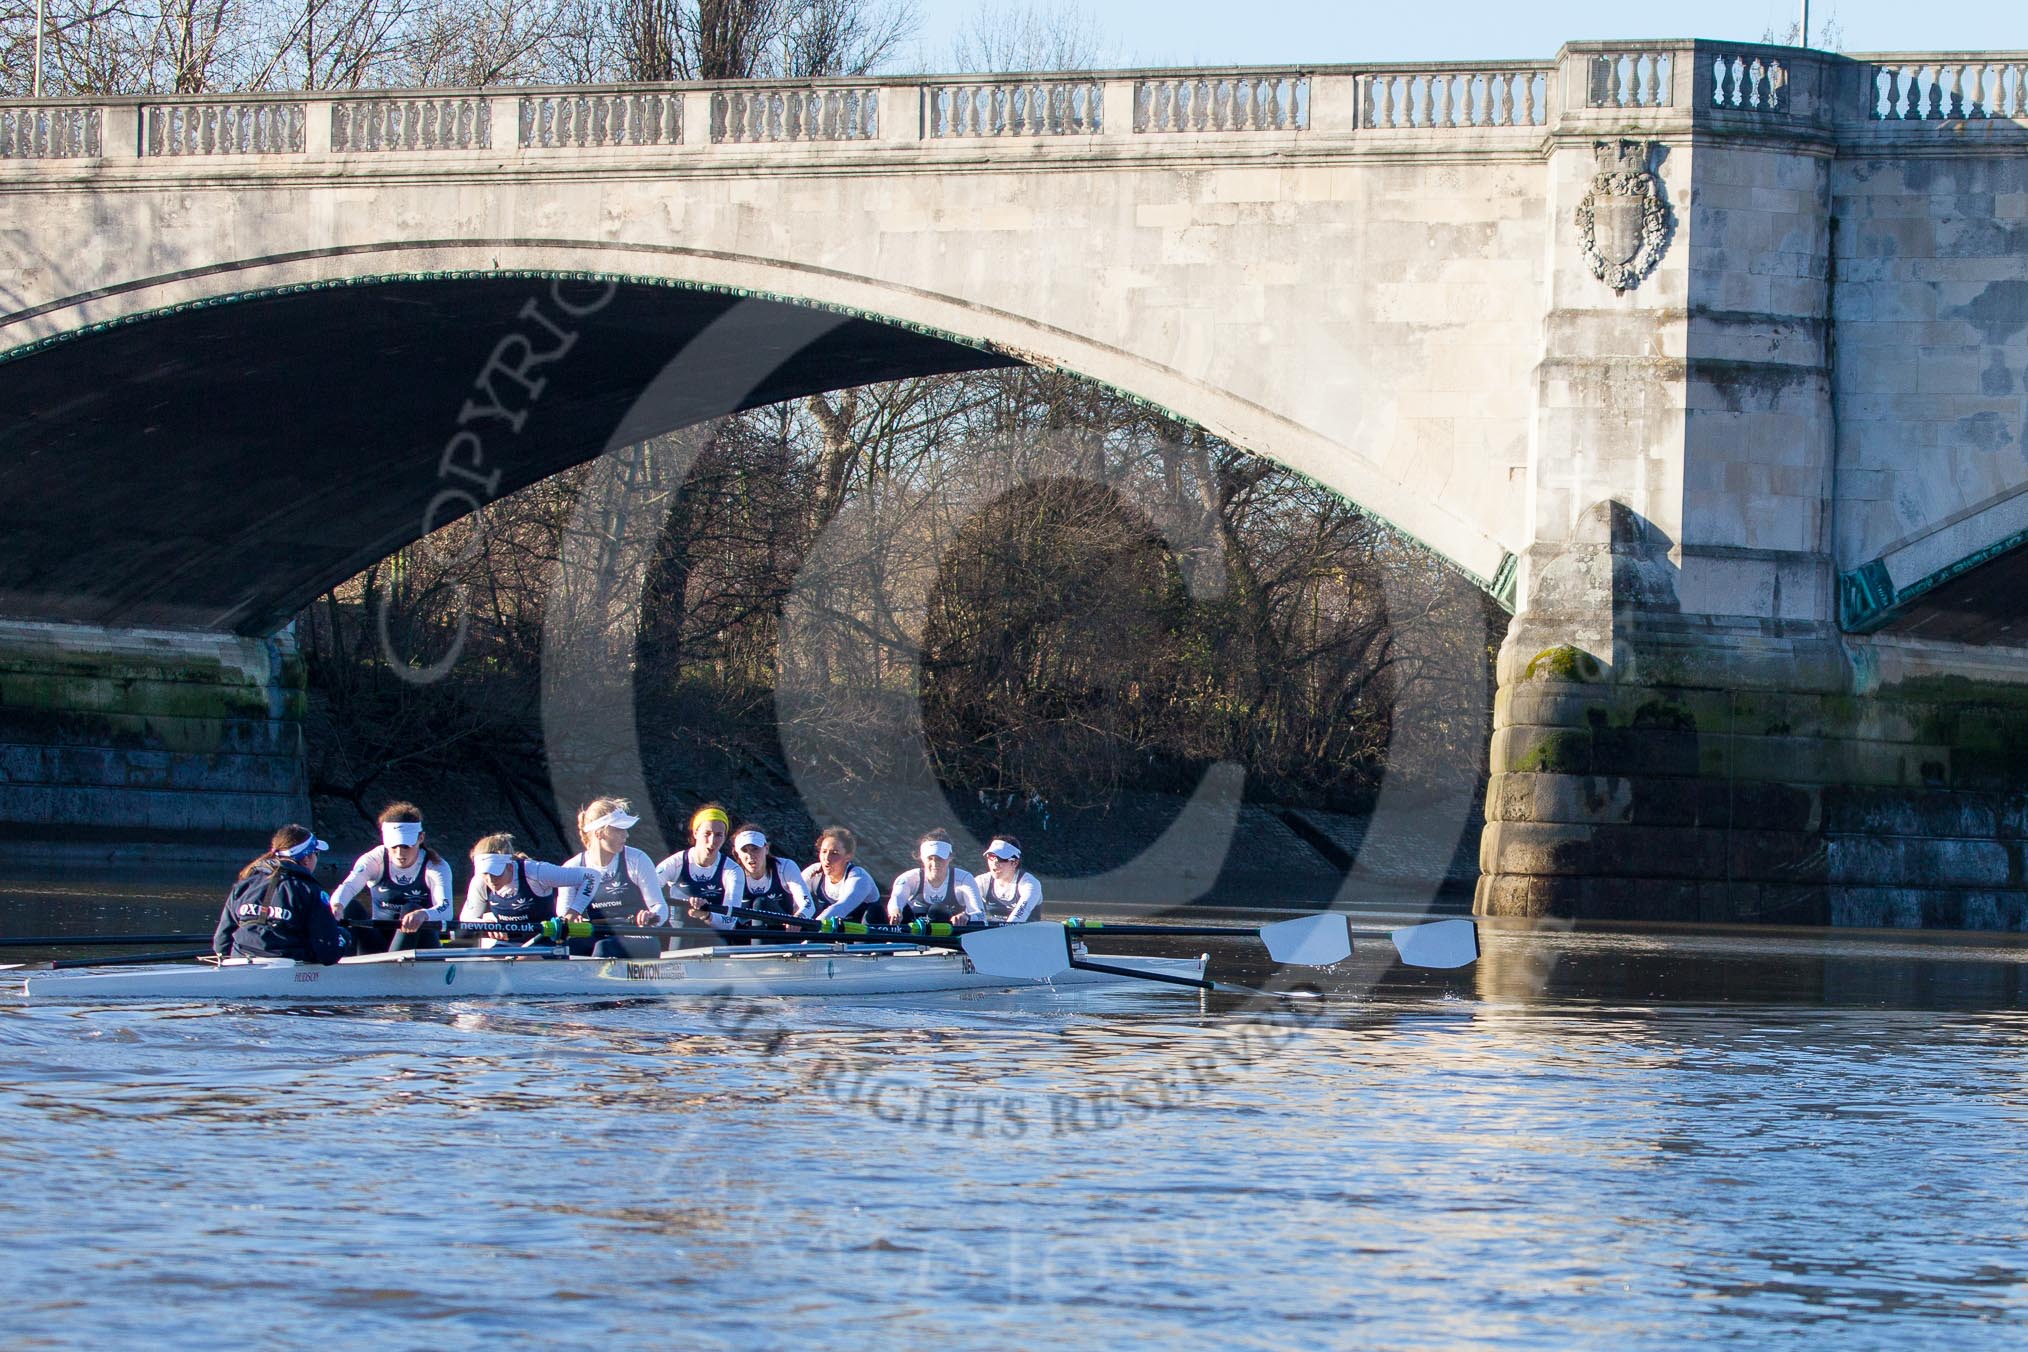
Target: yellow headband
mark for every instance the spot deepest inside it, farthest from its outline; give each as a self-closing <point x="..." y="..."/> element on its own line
<point x="711" y="814"/>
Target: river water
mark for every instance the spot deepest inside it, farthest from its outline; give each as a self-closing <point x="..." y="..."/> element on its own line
<point x="1635" y="1139"/>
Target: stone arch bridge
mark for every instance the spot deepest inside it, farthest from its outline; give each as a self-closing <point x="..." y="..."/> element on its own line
<point x="1709" y="360"/>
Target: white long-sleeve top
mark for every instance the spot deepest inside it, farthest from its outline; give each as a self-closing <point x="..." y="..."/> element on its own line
<point x="636" y="865"/>
<point x="544" y="880"/>
<point x="960" y="889"/>
<point x="1024" y="904"/>
<point x="374" y="865"/>
<point x="791" y="879"/>
<point x="857" y="890"/>
<point x="682" y="878"/>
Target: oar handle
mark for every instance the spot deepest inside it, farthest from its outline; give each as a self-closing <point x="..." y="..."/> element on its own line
<point x="914" y="929"/>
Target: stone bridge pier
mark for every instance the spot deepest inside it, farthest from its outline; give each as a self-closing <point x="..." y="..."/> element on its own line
<point x="1708" y="360"/>
<point x="1766" y="664"/>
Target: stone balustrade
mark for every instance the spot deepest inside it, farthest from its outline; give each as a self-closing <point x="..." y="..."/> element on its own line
<point x="396" y="124"/>
<point x="1948" y="88"/>
<point x="1434" y="100"/>
<point x="1659" y="84"/>
<point x="1749" y="81"/>
<point x="237" y="127"/>
<point x="1242" y="101"/>
<point x="50" y="133"/>
<point x="601" y="118"/>
<point x="760" y="115"/>
<point x="1041" y="107"/>
<point x="1634" y="79"/>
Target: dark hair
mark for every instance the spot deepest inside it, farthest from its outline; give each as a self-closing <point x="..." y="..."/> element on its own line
<point x="713" y="806"/>
<point x="1015" y="841"/>
<point x="842" y="834"/>
<point x="404" y="812"/>
<point x="934" y="833"/>
<point x="286" y="838"/>
<point x="767" y="850"/>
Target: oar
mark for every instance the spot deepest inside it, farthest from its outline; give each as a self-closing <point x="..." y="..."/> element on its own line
<point x="1440" y="943"/>
<point x="585" y="929"/>
<point x="1041" y="952"/>
<point x="914" y="929"/>
<point x="88" y="940"/>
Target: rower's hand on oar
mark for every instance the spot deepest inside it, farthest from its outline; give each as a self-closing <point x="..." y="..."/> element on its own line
<point x="414" y="921"/>
<point x="646" y="918"/>
<point x="696" y="914"/>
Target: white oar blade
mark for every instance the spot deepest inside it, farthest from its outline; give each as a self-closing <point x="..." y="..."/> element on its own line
<point x="1030" y="952"/>
<point x="1442" y="943"/>
<point x="1313" y="941"/>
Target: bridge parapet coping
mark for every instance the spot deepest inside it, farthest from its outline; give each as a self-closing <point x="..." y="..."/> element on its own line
<point x="1631" y="85"/>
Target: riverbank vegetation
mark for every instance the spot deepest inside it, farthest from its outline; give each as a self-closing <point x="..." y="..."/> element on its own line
<point x="1087" y="600"/>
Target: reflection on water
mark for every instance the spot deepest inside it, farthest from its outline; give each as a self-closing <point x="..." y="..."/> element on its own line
<point x="1644" y="1139"/>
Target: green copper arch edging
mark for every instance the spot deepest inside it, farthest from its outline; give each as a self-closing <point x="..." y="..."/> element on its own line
<point x="1868" y="600"/>
<point x="1501" y="586"/>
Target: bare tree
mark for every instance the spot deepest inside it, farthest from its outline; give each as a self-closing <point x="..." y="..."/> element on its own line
<point x="1032" y="37"/>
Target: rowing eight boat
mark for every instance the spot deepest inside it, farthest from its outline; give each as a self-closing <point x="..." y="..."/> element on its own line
<point x="549" y="973"/>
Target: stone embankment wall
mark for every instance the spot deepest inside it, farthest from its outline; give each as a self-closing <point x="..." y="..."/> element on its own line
<point x="1707" y="797"/>
<point x="122" y="746"/>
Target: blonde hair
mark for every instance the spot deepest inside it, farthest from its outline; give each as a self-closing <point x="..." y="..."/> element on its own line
<point x="596" y="808"/>
<point x="500" y="842"/>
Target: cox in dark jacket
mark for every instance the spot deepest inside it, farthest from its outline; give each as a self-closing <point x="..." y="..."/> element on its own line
<point x="276" y="909"/>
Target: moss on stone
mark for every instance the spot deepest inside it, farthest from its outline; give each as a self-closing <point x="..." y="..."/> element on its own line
<point x="1563" y="663"/>
<point x="1554" y="753"/>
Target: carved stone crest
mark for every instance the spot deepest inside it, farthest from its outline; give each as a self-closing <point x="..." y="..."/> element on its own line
<point x="1622" y="220"/>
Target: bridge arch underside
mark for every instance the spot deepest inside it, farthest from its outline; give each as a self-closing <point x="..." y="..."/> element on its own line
<point x="1981" y="601"/>
<point x="216" y="466"/>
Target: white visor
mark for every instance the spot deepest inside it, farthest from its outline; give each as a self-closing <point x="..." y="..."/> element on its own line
<point x="619" y="817"/>
<point x="746" y="838"/>
<point x="1000" y="849"/>
<point x="401" y="833"/>
<point x="493" y="863"/>
<point x="941" y="849"/>
<point x="308" y="847"/>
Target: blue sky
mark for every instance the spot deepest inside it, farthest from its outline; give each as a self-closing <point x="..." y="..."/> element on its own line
<point x="1236" y="32"/>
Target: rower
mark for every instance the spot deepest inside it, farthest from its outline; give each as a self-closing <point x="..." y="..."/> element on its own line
<point x="934" y="891"/>
<point x="400" y="882"/>
<point x="702" y="877"/>
<point x="1008" y="893"/>
<point x="772" y="884"/>
<point x="840" y="888"/>
<point x="508" y="885"/>
<point x="276" y="909"/>
<point x="629" y="891"/>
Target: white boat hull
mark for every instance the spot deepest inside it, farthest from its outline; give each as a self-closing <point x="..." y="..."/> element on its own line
<point x="448" y="974"/>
